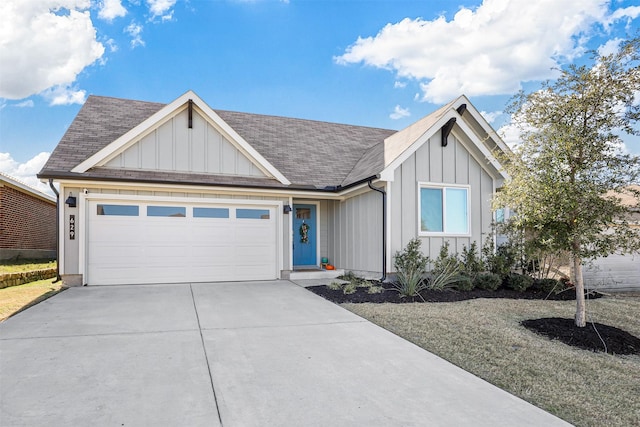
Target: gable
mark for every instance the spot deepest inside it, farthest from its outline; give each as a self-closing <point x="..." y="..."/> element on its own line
<point x="459" y="117"/>
<point x="173" y="146"/>
<point x="165" y="142"/>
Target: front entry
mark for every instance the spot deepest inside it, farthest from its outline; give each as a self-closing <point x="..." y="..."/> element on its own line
<point x="305" y="230"/>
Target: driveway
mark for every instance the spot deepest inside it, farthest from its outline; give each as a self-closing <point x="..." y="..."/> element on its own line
<point x="229" y="354"/>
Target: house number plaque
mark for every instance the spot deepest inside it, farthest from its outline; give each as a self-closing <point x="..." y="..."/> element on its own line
<point x="72" y="227"/>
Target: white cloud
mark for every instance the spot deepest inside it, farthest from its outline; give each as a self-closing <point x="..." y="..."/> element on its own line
<point x="64" y="95"/>
<point x="490" y="116"/>
<point x="111" y="9"/>
<point x="24" y="104"/>
<point x="399" y="85"/>
<point x="44" y="43"/>
<point x="610" y="47"/>
<point x="161" y="9"/>
<point x="26" y="172"/>
<point x="488" y="50"/>
<point x="135" y="32"/>
<point x="399" y="113"/>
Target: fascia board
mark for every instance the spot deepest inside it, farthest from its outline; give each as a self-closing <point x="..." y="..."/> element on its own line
<point x="483" y="122"/>
<point x="25" y="188"/>
<point x="483" y="148"/>
<point x="387" y="173"/>
<point x="120" y="144"/>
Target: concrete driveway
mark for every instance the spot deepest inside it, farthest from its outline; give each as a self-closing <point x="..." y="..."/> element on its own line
<point x="229" y="354"/>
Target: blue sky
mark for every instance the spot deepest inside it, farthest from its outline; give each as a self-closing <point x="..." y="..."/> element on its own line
<point x="374" y="63"/>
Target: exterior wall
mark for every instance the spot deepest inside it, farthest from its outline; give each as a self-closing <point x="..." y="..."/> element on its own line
<point x="71" y="248"/>
<point x="355" y="233"/>
<point x="175" y="147"/>
<point x="620" y="272"/>
<point x="27" y="225"/>
<point x="432" y="163"/>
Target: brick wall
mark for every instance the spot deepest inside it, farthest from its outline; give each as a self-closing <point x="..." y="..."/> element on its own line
<point x="26" y="222"/>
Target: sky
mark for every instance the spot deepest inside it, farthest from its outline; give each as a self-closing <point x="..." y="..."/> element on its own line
<point x="379" y="63"/>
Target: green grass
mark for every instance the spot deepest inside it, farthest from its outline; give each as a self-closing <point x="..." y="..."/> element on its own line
<point x="17" y="298"/>
<point x="22" y="265"/>
<point x="485" y="338"/>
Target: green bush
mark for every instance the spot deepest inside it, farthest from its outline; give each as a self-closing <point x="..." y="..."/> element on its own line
<point x="488" y="281"/>
<point x="472" y="264"/>
<point x="446" y="270"/>
<point x="410" y="265"/>
<point x="548" y="285"/>
<point x="518" y="282"/>
<point x="463" y="283"/>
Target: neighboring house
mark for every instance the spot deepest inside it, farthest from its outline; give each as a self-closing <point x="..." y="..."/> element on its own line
<point x="617" y="272"/>
<point x="27" y="221"/>
<point x="184" y="193"/>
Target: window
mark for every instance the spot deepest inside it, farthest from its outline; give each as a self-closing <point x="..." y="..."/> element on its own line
<point x="252" y="213"/>
<point x="444" y="210"/>
<point x="210" y="212"/>
<point x="170" y="211"/>
<point x="117" y="210"/>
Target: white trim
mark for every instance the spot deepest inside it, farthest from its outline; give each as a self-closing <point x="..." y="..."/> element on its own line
<point x="61" y="233"/>
<point x="444" y="233"/>
<point x="316" y="203"/>
<point x="13" y="182"/>
<point x="388" y="187"/>
<point x="164" y="114"/>
<point x="290" y="228"/>
<point x="483" y="149"/>
<point x="213" y="189"/>
<point x="485" y="124"/>
<point x="387" y="173"/>
<point x="83" y="206"/>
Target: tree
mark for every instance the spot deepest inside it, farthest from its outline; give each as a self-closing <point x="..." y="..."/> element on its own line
<point x="568" y="171"/>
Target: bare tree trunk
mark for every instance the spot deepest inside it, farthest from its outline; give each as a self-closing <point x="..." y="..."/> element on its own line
<point x="578" y="282"/>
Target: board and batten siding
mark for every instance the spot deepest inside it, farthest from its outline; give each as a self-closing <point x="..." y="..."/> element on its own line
<point x="432" y="163"/>
<point x="72" y="247"/>
<point x="355" y="233"/>
<point x="175" y="147"/>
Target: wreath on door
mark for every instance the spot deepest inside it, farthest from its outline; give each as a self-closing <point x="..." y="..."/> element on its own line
<point x="304" y="233"/>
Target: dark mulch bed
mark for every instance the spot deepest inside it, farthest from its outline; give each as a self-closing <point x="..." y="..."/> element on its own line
<point x="391" y="295"/>
<point x="617" y="341"/>
<point x="590" y="337"/>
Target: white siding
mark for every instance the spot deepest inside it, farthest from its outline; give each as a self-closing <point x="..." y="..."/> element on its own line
<point x="614" y="273"/>
<point x="432" y="163"/>
<point x="355" y="233"/>
<point x="175" y="147"/>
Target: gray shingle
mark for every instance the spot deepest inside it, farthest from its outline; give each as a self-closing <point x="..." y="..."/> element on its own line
<point x="309" y="153"/>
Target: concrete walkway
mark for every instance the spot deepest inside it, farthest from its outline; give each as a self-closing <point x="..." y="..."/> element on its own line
<point x="229" y="354"/>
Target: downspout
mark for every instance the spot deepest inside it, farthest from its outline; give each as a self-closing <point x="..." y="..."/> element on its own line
<point x="384" y="230"/>
<point x="58" y="278"/>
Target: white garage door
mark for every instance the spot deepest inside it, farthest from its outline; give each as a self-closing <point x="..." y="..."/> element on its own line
<point x="149" y="242"/>
<point x="615" y="272"/>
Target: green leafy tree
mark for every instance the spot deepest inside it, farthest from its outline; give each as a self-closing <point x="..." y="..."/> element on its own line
<point x="568" y="171"/>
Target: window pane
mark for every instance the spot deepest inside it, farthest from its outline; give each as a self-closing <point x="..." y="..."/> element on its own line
<point x="500" y="215"/>
<point x="252" y="213"/>
<point x="119" y="210"/>
<point x="210" y="213"/>
<point x="172" y="211"/>
<point x="431" y="209"/>
<point x="457" y="216"/>
<point x="303" y="213"/>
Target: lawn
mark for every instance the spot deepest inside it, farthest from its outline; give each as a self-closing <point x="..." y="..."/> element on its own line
<point x="19" y="266"/>
<point x="484" y="337"/>
<point x="16" y="298"/>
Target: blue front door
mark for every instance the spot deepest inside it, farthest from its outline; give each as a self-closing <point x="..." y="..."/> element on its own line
<point x="305" y="229"/>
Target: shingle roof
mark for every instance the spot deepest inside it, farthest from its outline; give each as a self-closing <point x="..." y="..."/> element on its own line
<point x="309" y="153"/>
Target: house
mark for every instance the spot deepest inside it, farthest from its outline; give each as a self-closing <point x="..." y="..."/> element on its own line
<point x="620" y="271"/>
<point x="27" y="221"/>
<point x="184" y="193"/>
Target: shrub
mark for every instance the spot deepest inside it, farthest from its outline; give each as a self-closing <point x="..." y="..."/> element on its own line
<point x="518" y="282"/>
<point x="463" y="283"/>
<point x="548" y="285"/>
<point x="471" y="263"/>
<point x="446" y="270"/>
<point x="349" y="288"/>
<point x="375" y="289"/>
<point x="488" y="281"/>
<point x="410" y="265"/>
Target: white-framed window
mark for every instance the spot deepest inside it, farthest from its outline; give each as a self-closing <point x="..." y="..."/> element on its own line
<point x="443" y="209"/>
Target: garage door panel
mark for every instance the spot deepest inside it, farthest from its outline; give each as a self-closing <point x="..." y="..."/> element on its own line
<point x="143" y="249"/>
